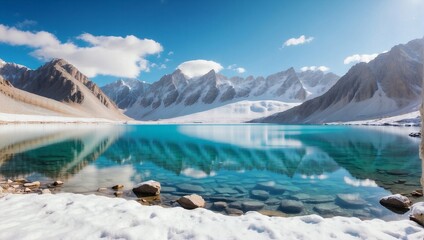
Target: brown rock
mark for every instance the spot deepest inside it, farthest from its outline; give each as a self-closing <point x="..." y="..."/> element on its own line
<point x="27" y="190"/>
<point x="191" y="201"/>
<point x="57" y="183"/>
<point x="117" y="187"/>
<point x="396" y="201"/>
<point x="32" y="184"/>
<point x="46" y="191"/>
<point x="148" y="188"/>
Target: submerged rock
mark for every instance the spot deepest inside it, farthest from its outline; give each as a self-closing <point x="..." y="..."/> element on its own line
<point x="350" y="201"/>
<point x="396" y="201"/>
<point x="185" y="187"/>
<point x="259" y="194"/>
<point x="272" y="213"/>
<point x="191" y="201"/>
<point x="226" y="190"/>
<point x="252" y="205"/>
<point x="291" y="206"/>
<point x="148" y="188"/>
<point x="234" y="211"/>
<point x="326" y="209"/>
<point x="102" y="189"/>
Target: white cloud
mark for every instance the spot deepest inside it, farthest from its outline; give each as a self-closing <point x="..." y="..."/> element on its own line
<point x="298" y="41"/>
<point x="360" y="183"/>
<point x="104" y="55"/>
<point x="170" y="53"/>
<point x="360" y="58"/>
<point x="315" y="68"/>
<point x="235" y="68"/>
<point x="195" y="68"/>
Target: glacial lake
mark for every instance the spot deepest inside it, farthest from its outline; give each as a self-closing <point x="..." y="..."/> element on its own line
<point x="324" y="170"/>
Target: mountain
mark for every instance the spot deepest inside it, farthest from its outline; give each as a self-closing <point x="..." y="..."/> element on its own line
<point x="124" y="92"/>
<point x="61" y="81"/>
<point x="389" y="85"/>
<point x="176" y="96"/>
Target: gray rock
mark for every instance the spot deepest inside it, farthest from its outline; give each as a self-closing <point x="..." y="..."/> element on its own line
<point x="396" y="201"/>
<point x="148" y="188"/>
<point x="350" y="201"/>
<point x="240" y="189"/>
<point x="238" y="205"/>
<point x="219" y="205"/>
<point x="291" y="206"/>
<point x="191" y="201"/>
<point x="252" y="205"/>
<point x="185" y="187"/>
<point x="273" y="201"/>
<point x="259" y="194"/>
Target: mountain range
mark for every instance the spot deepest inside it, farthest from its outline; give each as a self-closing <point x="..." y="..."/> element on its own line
<point x="214" y="97"/>
<point x="389" y="85"/>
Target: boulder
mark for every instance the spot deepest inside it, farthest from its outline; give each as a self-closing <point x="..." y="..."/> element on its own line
<point x="148" y="188"/>
<point x="396" y="201"/>
<point x="27" y="190"/>
<point x="191" y="201"/>
<point x="350" y="201"/>
<point x="291" y="206"/>
<point x="32" y="184"/>
<point x="417" y="213"/>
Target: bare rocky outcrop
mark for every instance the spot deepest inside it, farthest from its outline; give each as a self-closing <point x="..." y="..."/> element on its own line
<point x="390" y="84"/>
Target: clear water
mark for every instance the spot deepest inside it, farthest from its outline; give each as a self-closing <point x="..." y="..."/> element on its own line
<point x="229" y="163"/>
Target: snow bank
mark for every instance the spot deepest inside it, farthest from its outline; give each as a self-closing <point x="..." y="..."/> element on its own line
<point x="408" y="119"/>
<point x="73" y="216"/>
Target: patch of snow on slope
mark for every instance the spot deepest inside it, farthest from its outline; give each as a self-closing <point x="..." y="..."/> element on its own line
<point x="237" y="112"/>
<point x="76" y="216"/>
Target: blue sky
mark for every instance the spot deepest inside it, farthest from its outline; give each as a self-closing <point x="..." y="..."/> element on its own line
<point x="233" y="34"/>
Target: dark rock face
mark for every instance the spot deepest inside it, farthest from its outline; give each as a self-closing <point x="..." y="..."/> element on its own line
<point x="125" y="92"/>
<point x="395" y="76"/>
<point x="57" y="80"/>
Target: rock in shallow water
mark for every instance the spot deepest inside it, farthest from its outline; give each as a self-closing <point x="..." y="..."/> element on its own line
<point x="191" y="201"/>
<point x="148" y="188"/>
<point x="291" y="206"/>
<point x="219" y="206"/>
<point x="396" y="201"/>
<point x="259" y="194"/>
<point x="350" y="201"/>
<point x="252" y="205"/>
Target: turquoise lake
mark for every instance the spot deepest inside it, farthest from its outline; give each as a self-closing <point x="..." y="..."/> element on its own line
<point x="325" y="170"/>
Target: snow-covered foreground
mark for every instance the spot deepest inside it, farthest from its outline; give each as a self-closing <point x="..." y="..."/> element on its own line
<point x="73" y="216"/>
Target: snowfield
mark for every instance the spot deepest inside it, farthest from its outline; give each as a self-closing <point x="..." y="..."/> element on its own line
<point x="74" y="216"/>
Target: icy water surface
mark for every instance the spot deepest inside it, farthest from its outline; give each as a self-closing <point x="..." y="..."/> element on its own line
<point x="275" y="169"/>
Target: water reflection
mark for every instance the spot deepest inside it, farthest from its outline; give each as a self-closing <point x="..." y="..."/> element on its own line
<point x="227" y="161"/>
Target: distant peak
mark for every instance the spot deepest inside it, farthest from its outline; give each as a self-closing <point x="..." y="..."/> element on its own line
<point x="2" y="62"/>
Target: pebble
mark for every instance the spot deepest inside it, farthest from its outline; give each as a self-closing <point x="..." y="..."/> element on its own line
<point x="32" y="184"/>
<point x="57" y="183"/>
<point x="27" y="190"/>
<point x="118" y="193"/>
<point x="46" y="191"/>
<point x="117" y="187"/>
<point x="102" y="189"/>
<point x="234" y="211"/>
